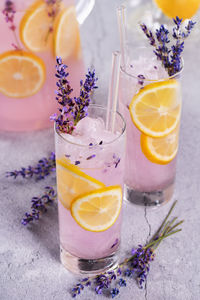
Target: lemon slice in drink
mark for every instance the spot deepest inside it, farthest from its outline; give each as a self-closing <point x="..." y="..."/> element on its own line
<point x="71" y="182"/>
<point x="160" y="150"/>
<point x="22" y="74"/>
<point x="98" y="210"/>
<point x="155" y="109"/>
<point x="34" y="27"/>
<point x="182" y="8"/>
<point x="66" y="34"/>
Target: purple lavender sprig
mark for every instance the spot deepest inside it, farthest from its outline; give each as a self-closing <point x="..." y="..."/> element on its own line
<point x="9" y="12"/>
<point x="169" y="56"/>
<point x="83" y="101"/>
<point x="72" y="110"/>
<point x="43" y="168"/>
<point x="39" y="205"/>
<point x="137" y="266"/>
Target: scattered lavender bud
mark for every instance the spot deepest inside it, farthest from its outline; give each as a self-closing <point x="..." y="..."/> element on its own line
<point x="91" y="156"/>
<point x="141" y="77"/>
<point x="115" y="243"/>
<point x="114" y="292"/>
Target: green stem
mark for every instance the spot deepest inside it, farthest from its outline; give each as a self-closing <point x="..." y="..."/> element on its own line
<point x="167" y="228"/>
<point x="164" y="221"/>
<point x="167" y="235"/>
<point x="177" y="224"/>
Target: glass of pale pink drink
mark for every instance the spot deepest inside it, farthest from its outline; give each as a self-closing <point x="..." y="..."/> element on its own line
<point x="33" y="32"/>
<point x="150" y="101"/>
<point x="90" y="171"/>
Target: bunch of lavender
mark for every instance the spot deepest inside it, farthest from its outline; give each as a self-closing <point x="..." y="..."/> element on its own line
<point x="43" y="168"/>
<point x="39" y="205"/>
<point x="72" y="109"/>
<point x="9" y="13"/>
<point x="170" y="56"/>
<point x="136" y="266"/>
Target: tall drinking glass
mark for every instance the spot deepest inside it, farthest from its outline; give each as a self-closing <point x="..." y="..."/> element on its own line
<point x="150" y="101"/>
<point x="90" y="171"/>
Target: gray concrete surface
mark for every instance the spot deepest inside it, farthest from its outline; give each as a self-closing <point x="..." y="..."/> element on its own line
<point x="29" y="257"/>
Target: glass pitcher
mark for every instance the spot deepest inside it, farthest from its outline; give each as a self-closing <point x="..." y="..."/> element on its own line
<point x="33" y="33"/>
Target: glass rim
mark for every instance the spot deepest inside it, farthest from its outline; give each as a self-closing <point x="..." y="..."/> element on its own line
<point x="59" y="133"/>
<point x="123" y="70"/>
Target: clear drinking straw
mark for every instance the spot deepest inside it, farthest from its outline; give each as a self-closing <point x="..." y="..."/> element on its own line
<point x="121" y="17"/>
<point x="113" y="91"/>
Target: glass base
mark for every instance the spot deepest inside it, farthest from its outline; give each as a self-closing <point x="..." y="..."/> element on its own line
<point x="88" y="266"/>
<point x="153" y="198"/>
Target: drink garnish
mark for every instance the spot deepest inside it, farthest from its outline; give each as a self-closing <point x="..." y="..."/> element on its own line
<point x="78" y="182"/>
<point x="26" y="72"/>
<point x="170" y="56"/>
<point x="155" y="109"/>
<point x="97" y="210"/>
<point x="9" y="12"/>
<point x="72" y="109"/>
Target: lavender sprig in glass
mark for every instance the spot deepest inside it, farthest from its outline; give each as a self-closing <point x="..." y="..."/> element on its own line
<point x="44" y="167"/>
<point x="53" y="8"/>
<point x="9" y="12"/>
<point x="39" y="205"/>
<point x="72" y="109"/>
<point x="170" y="56"/>
<point x="137" y="266"/>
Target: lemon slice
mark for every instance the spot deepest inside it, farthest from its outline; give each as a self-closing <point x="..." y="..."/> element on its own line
<point x="66" y="34"/>
<point x="155" y="109"/>
<point x="98" y="210"/>
<point x="22" y="74"/>
<point x="183" y="8"/>
<point x="160" y="150"/>
<point x="71" y="182"/>
<point x="34" y="27"/>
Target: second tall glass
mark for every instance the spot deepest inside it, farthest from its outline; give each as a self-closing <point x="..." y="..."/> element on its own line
<point x="150" y="101"/>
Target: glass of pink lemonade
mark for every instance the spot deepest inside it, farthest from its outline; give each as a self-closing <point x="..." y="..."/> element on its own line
<point x="150" y="102"/>
<point x="33" y="32"/>
<point x="90" y="171"/>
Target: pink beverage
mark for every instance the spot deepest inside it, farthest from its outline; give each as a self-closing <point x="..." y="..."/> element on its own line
<point x="90" y="161"/>
<point x="150" y="161"/>
<point x="33" y="32"/>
